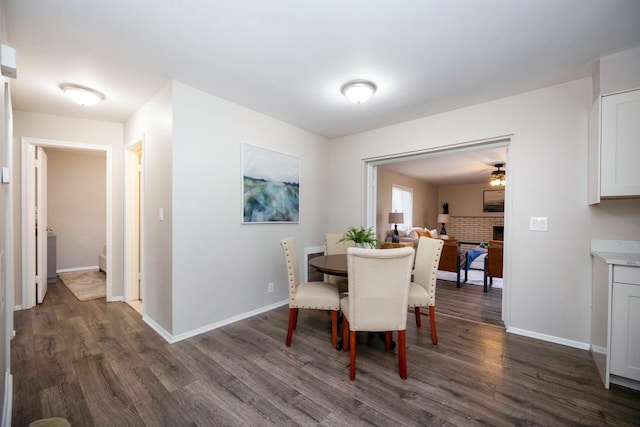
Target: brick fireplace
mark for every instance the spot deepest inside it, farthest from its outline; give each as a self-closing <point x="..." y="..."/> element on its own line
<point x="476" y="229"/>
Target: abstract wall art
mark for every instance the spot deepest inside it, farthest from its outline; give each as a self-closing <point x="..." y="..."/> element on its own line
<point x="270" y="186"/>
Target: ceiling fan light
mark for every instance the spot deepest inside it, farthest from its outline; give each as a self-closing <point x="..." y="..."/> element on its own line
<point x="498" y="177"/>
<point x="358" y="91"/>
<point x="82" y="95"/>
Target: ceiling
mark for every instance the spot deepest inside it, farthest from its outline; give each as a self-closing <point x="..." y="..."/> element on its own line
<point x="287" y="59"/>
<point x="452" y="167"/>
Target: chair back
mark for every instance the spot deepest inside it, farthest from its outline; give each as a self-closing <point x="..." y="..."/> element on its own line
<point x="334" y="247"/>
<point x="426" y="265"/>
<point x="291" y="262"/>
<point x="379" y="288"/>
<point x="494" y="258"/>
<point x="449" y="258"/>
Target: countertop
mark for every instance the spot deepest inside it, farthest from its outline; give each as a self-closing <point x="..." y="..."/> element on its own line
<point x="618" y="258"/>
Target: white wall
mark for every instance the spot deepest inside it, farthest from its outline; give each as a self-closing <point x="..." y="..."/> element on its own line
<point x="6" y="310"/>
<point x="221" y="267"/>
<point x="465" y="199"/>
<point x="620" y="71"/>
<point x="63" y="128"/>
<point x="549" y="274"/>
<point x="425" y="201"/>
<point x="154" y="123"/>
<point x="77" y="205"/>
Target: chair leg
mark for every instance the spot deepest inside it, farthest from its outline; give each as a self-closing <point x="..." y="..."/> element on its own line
<point x="432" y="321"/>
<point x="334" y="328"/>
<point x="387" y="340"/>
<point x="295" y="319"/>
<point x="293" y="314"/>
<point x="345" y="334"/>
<point x="418" y="320"/>
<point x="402" y="354"/>
<point x="352" y="363"/>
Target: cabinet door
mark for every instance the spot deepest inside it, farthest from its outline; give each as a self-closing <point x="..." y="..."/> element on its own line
<point x="620" y="149"/>
<point x="625" y="330"/>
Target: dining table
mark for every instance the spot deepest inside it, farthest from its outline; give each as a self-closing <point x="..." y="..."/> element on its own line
<point x="334" y="265"/>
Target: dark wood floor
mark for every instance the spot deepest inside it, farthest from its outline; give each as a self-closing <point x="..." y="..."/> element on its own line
<point x="469" y="302"/>
<point x="97" y="364"/>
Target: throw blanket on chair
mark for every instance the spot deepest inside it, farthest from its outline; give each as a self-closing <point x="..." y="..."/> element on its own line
<point x="474" y="253"/>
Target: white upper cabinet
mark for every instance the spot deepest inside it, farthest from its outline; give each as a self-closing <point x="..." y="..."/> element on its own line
<point x="621" y="145"/>
<point x="614" y="151"/>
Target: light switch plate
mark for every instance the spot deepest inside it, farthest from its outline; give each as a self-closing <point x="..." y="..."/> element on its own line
<point x="539" y="223"/>
<point x="6" y="176"/>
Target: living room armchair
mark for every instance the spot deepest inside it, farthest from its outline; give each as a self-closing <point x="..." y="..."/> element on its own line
<point x="493" y="262"/>
<point x="453" y="260"/>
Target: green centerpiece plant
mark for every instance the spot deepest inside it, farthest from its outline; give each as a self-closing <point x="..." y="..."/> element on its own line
<point x="362" y="237"/>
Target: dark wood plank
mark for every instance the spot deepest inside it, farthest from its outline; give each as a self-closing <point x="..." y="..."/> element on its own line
<point x="97" y="363"/>
<point x="469" y="302"/>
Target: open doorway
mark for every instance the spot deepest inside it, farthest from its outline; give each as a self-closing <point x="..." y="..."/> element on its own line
<point x="134" y="183"/>
<point x="30" y="145"/>
<point x="442" y="175"/>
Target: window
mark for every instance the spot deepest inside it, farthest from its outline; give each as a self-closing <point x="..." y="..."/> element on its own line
<point x="402" y="201"/>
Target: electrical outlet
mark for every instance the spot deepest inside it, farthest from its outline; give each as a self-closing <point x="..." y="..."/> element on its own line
<point x="269" y="287"/>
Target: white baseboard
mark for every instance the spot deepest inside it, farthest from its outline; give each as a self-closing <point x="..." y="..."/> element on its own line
<point x="159" y="329"/>
<point x="17" y="307"/>
<point x="175" y="338"/>
<point x="67" y="270"/>
<point x="7" y="405"/>
<point x="549" y="338"/>
<point x="119" y="298"/>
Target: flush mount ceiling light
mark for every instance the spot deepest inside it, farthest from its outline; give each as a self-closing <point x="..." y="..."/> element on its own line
<point x="358" y="91"/>
<point x="498" y="177"/>
<point x="82" y="95"/>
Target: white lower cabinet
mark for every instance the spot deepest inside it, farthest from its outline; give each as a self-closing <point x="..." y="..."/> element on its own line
<point x="625" y="322"/>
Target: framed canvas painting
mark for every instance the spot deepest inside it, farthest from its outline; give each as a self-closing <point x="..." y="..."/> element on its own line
<point x="270" y="186"/>
<point x="493" y="201"/>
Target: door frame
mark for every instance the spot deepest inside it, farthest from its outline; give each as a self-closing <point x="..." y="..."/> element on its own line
<point x="369" y="183"/>
<point x="133" y="228"/>
<point x="28" y="292"/>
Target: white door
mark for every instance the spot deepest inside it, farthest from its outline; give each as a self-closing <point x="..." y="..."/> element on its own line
<point x="41" y="224"/>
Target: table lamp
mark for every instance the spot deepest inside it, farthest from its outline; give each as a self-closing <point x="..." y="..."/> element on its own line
<point x="443" y="219"/>
<point x="396" y="218"/>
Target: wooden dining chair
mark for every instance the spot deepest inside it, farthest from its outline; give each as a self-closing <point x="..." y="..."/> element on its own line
<point x="334" y="247"/>
<point x="422" y="291"/>
<point x="309" y="295"/>
<point x="377" y="300"/>
<point x="493" y="262"/>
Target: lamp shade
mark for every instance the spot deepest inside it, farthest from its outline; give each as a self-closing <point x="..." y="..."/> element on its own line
<point x="444" y="218"/>
<point x="396" y="218"/>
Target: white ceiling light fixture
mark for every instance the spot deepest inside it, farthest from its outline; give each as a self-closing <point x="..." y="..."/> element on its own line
<point x="82" y="95"/>
<point x="358" y="91"/>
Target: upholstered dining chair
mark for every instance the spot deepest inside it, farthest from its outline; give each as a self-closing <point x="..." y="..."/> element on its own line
<point x="310" y="295"/>
<point x="422" y="291"/>
<point x="454" y="261"/>
<point x="334" y="247"/>
<point x="493" y="262"/>
<point x="377" y="300"/>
